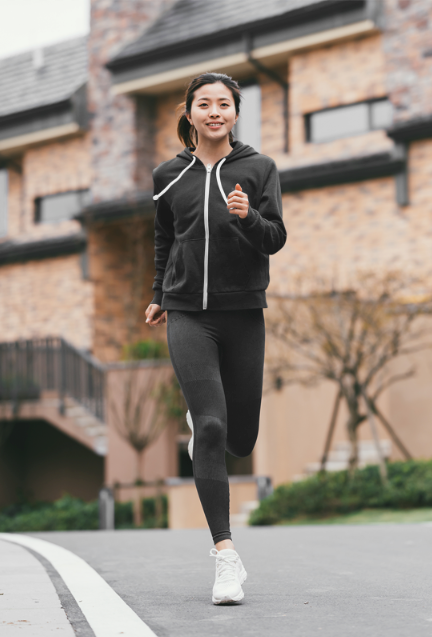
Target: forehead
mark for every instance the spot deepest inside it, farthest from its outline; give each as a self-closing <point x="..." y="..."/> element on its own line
<point x="214" y="91"/>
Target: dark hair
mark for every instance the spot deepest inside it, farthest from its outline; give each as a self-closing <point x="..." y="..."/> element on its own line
<point x="185" y="131"/>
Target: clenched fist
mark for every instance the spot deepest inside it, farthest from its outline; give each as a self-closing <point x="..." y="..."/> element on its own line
<point x="238" y="202"/>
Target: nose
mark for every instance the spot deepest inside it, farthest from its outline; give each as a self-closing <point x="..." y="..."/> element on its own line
<point x="214" y="111"/>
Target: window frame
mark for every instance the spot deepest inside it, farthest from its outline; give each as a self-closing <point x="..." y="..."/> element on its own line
<point x="308" y="120"/>
<point x="37" y="217"/>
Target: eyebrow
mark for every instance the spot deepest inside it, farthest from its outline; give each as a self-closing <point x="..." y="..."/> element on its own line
<point x="206" y="97"/>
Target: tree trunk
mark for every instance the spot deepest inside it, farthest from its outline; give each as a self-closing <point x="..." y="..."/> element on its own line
<point x="352" y="437"/>
<point x="137" y="502"/>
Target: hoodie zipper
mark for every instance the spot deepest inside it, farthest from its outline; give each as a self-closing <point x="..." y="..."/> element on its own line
<point x="206" y="227"/>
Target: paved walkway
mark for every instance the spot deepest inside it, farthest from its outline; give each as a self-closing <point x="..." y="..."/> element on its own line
<point x="29" y="604"/>
<point x="332" y="581"/>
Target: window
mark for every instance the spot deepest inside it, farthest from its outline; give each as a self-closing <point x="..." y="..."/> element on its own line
<point x="248" y="127"/>
<point x="64" y="205"/>
<point x="3" y="202"/>
<point x="344" y="121"/>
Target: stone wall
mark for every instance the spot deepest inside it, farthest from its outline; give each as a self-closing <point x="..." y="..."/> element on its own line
<point x="115" y="148"/>
<point x="408" y="56"/>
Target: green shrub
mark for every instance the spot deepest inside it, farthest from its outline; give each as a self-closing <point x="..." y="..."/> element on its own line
<point x="146" y="349"/>
<point x="73" y="514"/>
<point x="66" y="514"/>
<point x="409" y="486"/>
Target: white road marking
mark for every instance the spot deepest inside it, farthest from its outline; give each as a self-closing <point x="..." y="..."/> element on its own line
<point x="105" y="611"/>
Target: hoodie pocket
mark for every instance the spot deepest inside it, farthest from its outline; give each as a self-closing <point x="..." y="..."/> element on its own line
<point x="227" y="267"/>
<point x="188" y="267"/>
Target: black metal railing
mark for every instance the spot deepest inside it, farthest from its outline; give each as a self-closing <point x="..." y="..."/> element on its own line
<point x="29" y="367"/>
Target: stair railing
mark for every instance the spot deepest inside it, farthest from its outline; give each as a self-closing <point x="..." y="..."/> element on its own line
<point x="28" y="367"/>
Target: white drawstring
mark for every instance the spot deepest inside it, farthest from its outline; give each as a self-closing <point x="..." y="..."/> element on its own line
<point x="219" y="180"/>
<point x="156" y="197"/>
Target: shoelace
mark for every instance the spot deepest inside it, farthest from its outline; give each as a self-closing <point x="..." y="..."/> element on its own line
<point x="226" y="566"/>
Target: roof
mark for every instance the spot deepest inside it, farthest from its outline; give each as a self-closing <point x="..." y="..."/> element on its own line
<point x="197" y="19"/>
<point x="36" y="79"/>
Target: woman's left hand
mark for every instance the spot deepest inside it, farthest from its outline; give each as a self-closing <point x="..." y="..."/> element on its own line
<point x="238" y="202"/>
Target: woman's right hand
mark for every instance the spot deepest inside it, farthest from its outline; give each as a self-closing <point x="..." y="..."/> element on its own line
<point x="154" y="314"/>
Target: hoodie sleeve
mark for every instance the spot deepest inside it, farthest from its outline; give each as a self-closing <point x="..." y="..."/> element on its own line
<point x="164" y="238"/>
<point x="264" y="228"/>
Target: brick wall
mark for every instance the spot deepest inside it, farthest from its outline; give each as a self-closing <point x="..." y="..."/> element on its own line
<point x="341" y="230"/>
<point x="167" y="144"/>
<point x="332" y="76"/>
<point x="121" y="293"/>
<point x="46" y="298"/>
<point x="46" y="170"/>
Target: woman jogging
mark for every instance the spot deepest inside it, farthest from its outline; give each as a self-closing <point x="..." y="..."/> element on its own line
<point x="218" y="218"/>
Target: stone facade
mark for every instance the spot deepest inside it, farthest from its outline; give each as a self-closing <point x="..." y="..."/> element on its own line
<point x="408" y="56"/>
<point x="115" y="148"/>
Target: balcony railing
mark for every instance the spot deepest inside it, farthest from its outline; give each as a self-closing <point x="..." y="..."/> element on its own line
<point x="29" y="367"/>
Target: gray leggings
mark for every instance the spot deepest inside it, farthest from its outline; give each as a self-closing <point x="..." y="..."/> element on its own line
<point x="218" y="358"/>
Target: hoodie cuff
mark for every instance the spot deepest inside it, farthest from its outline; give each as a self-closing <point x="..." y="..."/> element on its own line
<point x="157" y="299"/>
<point x="250" y="218"/>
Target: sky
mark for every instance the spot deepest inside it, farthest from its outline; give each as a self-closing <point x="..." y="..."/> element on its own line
<point x="30" y="24"/>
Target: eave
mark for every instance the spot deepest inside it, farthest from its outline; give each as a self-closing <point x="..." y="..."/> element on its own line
<point x="272" y="41"/>
<point x="13" y="252"/>
<point x="411" y="130"/>
<point x="21" y="130"/>
<point x="136" y="204"/>
<point x="342" y="172"/>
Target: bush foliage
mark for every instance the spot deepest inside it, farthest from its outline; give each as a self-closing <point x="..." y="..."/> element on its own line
<point x="73" y="514"/>
<point x="147" y="349"/>
<point x="409" y="486"/>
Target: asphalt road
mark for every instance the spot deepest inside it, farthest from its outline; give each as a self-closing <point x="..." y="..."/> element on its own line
<point x="302" y="581"/>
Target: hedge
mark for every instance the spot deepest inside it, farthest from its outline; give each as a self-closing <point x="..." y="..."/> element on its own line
<point x="409" y="486"/>
<point x="73" y="514"/>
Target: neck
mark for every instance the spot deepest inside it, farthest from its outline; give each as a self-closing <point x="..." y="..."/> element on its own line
<point x="209" y="152"/>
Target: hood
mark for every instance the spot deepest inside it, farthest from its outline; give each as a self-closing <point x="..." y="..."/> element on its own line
<point x="239" y="151"/>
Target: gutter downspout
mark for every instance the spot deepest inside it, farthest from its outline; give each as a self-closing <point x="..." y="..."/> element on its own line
<point x="275" y="77"/>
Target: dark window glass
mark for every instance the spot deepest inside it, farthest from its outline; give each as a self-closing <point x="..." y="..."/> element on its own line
<point x="345" y="121"/>
<point x="64" y="205"/>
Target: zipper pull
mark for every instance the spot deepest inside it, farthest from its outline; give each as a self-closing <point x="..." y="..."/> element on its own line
<point x="209" y="168"/>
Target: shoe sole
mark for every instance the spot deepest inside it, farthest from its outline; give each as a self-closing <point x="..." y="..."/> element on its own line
<point x="237" y="598"/>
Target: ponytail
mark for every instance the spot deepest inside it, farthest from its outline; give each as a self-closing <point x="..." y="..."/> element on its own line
<point x="185" y="131"/>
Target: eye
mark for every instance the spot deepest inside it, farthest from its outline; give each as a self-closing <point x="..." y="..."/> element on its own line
<point x="203" y="104"/>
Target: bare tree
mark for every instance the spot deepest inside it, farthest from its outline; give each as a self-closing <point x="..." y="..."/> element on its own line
<point x="349" y="337"/>
<point x="141" y="415"/>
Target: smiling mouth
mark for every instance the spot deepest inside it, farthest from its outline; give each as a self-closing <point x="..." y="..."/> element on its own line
<point x="215" y="125"/>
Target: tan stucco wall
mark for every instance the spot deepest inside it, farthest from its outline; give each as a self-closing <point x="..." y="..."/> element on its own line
<point x="160" y="459"/>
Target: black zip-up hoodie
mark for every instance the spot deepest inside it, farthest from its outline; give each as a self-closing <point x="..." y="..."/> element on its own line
<point x="206" y="257"/>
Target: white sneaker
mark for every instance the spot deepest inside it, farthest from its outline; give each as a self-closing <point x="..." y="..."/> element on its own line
<point x="190" y="423"/>
<point x="230" y="575"/>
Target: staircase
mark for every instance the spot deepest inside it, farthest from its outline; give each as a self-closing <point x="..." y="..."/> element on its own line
<point x="338" y="458"/>
<point x="52" y="380"/>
